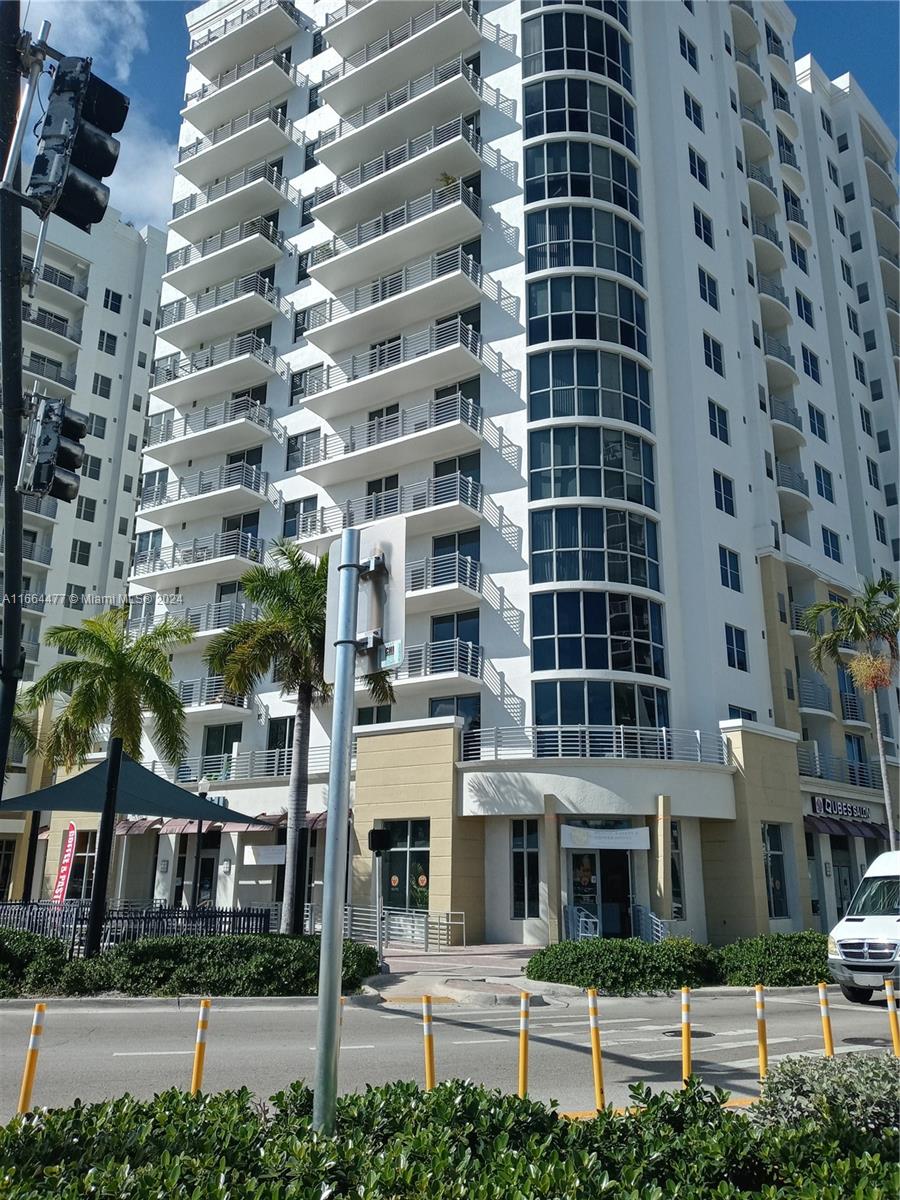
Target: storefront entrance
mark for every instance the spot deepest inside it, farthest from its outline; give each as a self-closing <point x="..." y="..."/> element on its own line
<point x="600" y="884"/>
<point x="842" y="868"/>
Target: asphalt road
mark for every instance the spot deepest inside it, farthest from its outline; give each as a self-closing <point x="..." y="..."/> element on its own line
<point x="100" y="1052"/>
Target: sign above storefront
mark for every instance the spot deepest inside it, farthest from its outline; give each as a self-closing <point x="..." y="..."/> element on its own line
<point x="826" y="807"/>
<point x="264" y="856"/>
<point x="579" y="837"/>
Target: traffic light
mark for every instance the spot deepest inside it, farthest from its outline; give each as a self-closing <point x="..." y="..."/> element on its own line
<point x="76" y="149"/>
<point x="53" y="451"/>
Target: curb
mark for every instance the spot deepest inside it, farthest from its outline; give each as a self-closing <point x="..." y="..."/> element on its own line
<point x="568" y="989"/>
<point x="367" y="998"/>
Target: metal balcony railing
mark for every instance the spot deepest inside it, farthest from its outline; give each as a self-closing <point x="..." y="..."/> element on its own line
<point x="775" y="46"/>
<point x="769" y="232"/>
<point x="223" y="239"/>
<point x="796" y="614"/>
<point x="198" y="550"/>
<point x="777" y="349"/>
<point x="596" y="741"/>
<point x="201" y="620"/>
<point x="256" y="116"/>
<point x="226" y="78"/>
<point x="232" y="183"/>
<point x="794" y="212"/>
<point x="52" y="322"/>
<point x="818" y="764"/>
<point x="879" y="161"/>
<point x="770" y="286"/>
<point x="33" y="602"/>
<point x="203" y="482"/>
<point x="202" y="302"/>
<point x="210" y="690"/>
<point x="761" y="175"/>
<point x="883" y="208"/>
<point x="782" y="105"/>
<point x="891" y="257"/>
<point x="445" y="570"/>
<point x="755" y="116"/>
<point x="369" y="434"/>
<point x="60" y="279"/>
<point x="215" y="32"/>
<point x="36" y="364"/>
<point x="891" y="303"/>
<point x="814" y="694"/>
<point x="441" y="658"/>
<point x="166" y="427"/>
<point x="44" y="506"/>
<point x="346" y="10"/>
<point x="789" y="477"/>
<point x="788" y="157"/>
<point x="852" y="706"/>
<point x="179" y="366"/>
<point x="782" y="410"/>
<point x="34" y="551"/>
<point x="749" y="60"/>
<point x="397" y="218"/>
<point x="895" y="348"/>
<point x="243" y="765"/>
<point x="745" y="5"/>
<point x="407" y="499"/>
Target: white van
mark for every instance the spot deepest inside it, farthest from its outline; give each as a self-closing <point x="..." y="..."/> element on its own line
<point x="864" y="948"/>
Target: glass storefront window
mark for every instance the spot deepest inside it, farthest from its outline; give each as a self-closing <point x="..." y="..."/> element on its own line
<point x="525" y="870"/>
<point x="677" y="874"/>
<point x="406" y="864"/>
<point x="776" y="878"/>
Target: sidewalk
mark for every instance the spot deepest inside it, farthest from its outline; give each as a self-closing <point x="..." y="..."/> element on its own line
<point x="468" y="974"/>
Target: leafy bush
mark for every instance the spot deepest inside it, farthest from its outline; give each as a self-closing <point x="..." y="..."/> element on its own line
<point x="458" y="1142"/>
<point x="777" y="959"/>
<point x="27" y="957"/>
<point x="623" y="966"/>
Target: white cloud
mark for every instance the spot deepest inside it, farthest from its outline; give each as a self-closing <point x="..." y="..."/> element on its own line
<point x="111" y="32"/>
<point x="141" y="187"/>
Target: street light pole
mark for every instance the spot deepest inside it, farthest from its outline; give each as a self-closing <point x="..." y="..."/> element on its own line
<point x="202" y="793"/>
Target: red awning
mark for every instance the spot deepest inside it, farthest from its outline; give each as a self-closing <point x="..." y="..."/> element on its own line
<point x="178" y="825"/>
<point x="142" y="825"/>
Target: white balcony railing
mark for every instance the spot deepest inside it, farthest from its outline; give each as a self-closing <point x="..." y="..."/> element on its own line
<point x="200" y="550"/>
<point x="790" y="477"/>
<point x="441" y="658"/>
<point x="794" y="212"/>
<point x="852" y="706"/>
<point x="60" y="279"/>
<point x="203" y="482"/>
<point x="764" y="230"/>
<point x="179" y="366"/>
<point x="223" y="28"/>
<point x="241" y="70"/>
<point x="233" y="183"/>
<point x="883" y="209"/>
<point x="256" y="116"/>
<point x="754" y="116"/>
<point x="813" y="694"/>
<point x="596" y="741"/>
<point x="818" y="764"/>
<point x="206" y="619"/>
<point x="770" y="286"/>
<point x="204" y="302"/>
<point x="777" y="349"/>
<point x="761" y="175"/>
<point x="166" y="427"/>
<point x="258" y="226"/>
<point x="444" y="570"/>
<point x="37" y="364"/>
<point x="51" y="322"/>
<point x="195" y="693"/>
<point x="784" y="411"/>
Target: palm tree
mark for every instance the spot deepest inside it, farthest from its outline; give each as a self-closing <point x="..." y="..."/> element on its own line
<point x="869" y="623"/>
<point x="24" y="735"/>
<point x="288" y="638"/>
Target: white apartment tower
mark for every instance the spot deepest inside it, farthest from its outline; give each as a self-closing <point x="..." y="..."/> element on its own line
<point x="601" y="298"/>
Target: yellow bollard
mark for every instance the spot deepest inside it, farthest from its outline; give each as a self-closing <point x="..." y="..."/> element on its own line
<point x="892" y="1015"/>
<point x="826" y="1020"/>
<point x="685" y="1035"/>
<point x="596" y="1057"/>
<point x="428" y="1034"/>
<point x="524" y="1001"/>
<point x="31" y="1057"/>
<point x="761" y="1031"/>
<point x="200" y="1046"/>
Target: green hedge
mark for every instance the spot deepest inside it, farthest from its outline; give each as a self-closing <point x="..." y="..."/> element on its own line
<point x="458" y="1142"/>
<point x="242" y="965"/>
<point x="625" y="966"/>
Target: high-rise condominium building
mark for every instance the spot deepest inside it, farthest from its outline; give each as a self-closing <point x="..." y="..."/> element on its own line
<point x="602" y="299"/>
<point x="87" y="333"/>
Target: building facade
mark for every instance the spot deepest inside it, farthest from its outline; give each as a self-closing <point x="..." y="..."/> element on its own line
<point x="567" y="287"/>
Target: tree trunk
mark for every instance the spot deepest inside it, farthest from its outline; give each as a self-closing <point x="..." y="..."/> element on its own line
<point x="885" y="782"/>
<point x="298" y="790"/>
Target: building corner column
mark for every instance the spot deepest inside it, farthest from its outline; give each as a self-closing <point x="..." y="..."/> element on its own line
<point x="661" y="859"/>
<point x="551" y="859"/>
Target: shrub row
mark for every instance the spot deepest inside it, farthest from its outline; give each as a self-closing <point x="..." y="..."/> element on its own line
<point x="240" y="965"/>
<point x="622" y="967"/>
<point x="458" y="1142"/>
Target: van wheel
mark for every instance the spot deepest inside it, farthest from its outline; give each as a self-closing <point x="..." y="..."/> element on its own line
<point x="857" y="995"/>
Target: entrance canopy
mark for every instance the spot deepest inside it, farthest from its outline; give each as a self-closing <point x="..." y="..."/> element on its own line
<point x="140" y="792"/>
<point x="842" y="827"/>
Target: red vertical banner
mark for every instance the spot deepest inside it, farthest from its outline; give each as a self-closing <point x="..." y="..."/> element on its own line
<point x="65" y="865"/>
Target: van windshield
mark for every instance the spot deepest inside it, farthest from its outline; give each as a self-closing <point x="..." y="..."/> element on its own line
<point x="877" y="896"/>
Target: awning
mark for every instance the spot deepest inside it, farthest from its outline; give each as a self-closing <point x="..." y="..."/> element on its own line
<point x="842" y="827"/>
<point x="141" y="825"/>
<point x="820" y="824"/>
<point x="177" y="825"/>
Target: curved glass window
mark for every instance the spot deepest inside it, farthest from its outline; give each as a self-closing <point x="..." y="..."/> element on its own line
<point x="575" y="42"/>
<point x="596" y="702"/>
<point x="594" y="544"/>
<point x="587" y="309"/>
<point x="596" y="631"/>
<point x="572" y="236"/>
<point x="578" y="106"/>
<point x="588" y="383"/>
<point x="559" y="169"/>
<point x="615" y="8"/>
<point x="585" y="460"/>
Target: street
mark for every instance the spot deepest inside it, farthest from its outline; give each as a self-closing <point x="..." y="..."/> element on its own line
<point x="95" y="1053"/>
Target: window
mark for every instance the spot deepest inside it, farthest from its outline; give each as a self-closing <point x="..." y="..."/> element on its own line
<point x="141" y="359"/>
<point x="297" y="516"/>
<point x="856" y="241"/>
<point x="824" y="483"/>
<point x="723" y="489"/>
<point x="839" y="223"/>
<point x="318" y="43"/>
<point x="859" y="369"/>
<point x="123" y="526"/>
<point x="826" y="122"/>
<point x="563" y="168"/>
<point x="373" y="714"/>
<point x="102" y="386"/>
<point x="132" y="442"/>
<point x="709" y="289"/>
<point x="811" y="364"/>
<point x="798" y="256"/>
<point x="309" y="154"/>
<point x="596" y="631"/>
<point x="302" y="265"/>
<point x="306" y="207"/>
<point x="737" y="713"/>
<point x="876" y="389"/>
<point x="82" y="877"/>
<point x="688" y="50"/>
<point x="96" y="425"/>
<point x="776" y="879"/>
<point x="853" y="320"/>
<point x="817" y="422"/>
<point x="137" y="402"/>
<point x="85" y="508"/>
<point x="865" y="419"/>
<point x="736" y="648"/>
<point x="718" y="421"/>
<point x="568" y="383"/>
<point x="147" y="317"/>
<point x="880" y="528"/>
<point x="698" y="167"/>
<point x="730" y="569"/>
<point x="677" y="873"/>
<point x="831" y="544"/>
<point x="576" y="42"/>
<point x="872" y="468"/>
<point x="301" y="317"/>
<point x="582" y="307"/>
<point x="112" y="300"/>
<point x="869" y="340"/>
<point x="862" y="292"/>
<point x="713" y="354"/>
<point x="303" y="448"/>
<point x="573" y="460"/>
<point x="570" y="236"/>
<point x="127" y="483"/>
<point x="847" y="273"/>
<point x="689" y="5"/>
<point x="703" y="227"/>
<point x="594" y="544"/>
<point x="849" y="192"/>
<point x="693" y="110"/>
<point x="525" y="870"/>
<point x="804" y="307"/>
<point x="595" y="702"/>
<point x="300" y="381"/>
<point x="90" y="466"/>
<point x="312" y="97"/>
<point x="118" y="569"/>
<point x="833" y="173"/>
<point x="75" y="593"/>
<point x="405" y="865"/>
<point x="107" y="342"/>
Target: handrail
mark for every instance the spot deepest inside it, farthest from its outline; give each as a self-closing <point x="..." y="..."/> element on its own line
<point x="239" y="474"/>
<point x="774" y="347"/>
<point x="241" y="765"/>
<point x="596" y="741"/>
<point x="38" y="364"/>
<point x="814" y="694"/>
<point x="748" y="60"/>
<point x="794" y="212"/>
<point x="883" y="208"/>
<point x="166" y="427"/>
<point x="781" y="410"/>
<point x="201" y="620"/>
<point x="754" y="115"/>
<point x="201" y="302"/>
<point x="248" y="66"/>
<point x="789" y="477"/>
<point x="883" y="252"/>
<point x="60" y="279"/>
<point x="775" y="46"/>
<point x="222" y="239"/>
<point x="763" y="229"/>
<point x="408" y="498"/>
<point x="246" y="14"/>
<point x="198" y="550"/>
<point x="782" y="105"/>
<point x="770" y="286"/>
<point x="50" y="321"/>
<point x="443" y="570"/>
<point x="32" y="549"/>
<point x="852" y="706"/>
<point x="178" y="366"/>
<point x="211" y="689"/>
<point x="441" y="658"/>
<point x="265" y="112"/>
<point x="231" y="183"/>
<point x="761" y="176"/>
<point x="347" y="9"/>
<point x="817" y="764"/>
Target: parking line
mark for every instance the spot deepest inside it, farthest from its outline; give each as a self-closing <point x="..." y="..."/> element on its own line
<point x="147" y="1053"/>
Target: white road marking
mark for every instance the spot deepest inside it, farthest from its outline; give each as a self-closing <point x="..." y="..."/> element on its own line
<point x="476" y="1041"/>
<point x="716" y="1046"/>
<point x="752" y="1062"/>
<point x="147" y="1053"/>
<point x="343" y="1047"/>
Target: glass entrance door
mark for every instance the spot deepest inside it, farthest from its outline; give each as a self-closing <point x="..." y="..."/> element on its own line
<point x="586" y="881"/>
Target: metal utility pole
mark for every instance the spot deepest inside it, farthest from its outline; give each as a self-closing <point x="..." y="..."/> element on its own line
<point x="335" y="883"/>
<point x="97" y="910"/>
<point x="202" y="794"/>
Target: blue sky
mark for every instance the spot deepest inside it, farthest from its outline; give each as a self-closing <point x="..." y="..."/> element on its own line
<point x="140" y="46"/>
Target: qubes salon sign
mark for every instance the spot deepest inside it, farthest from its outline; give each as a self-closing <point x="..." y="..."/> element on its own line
<point x="827" y="807"/>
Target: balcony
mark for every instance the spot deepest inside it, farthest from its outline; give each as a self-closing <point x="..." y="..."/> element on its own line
<point x="774" y="304"/>
<point x="442" y="283"/>
<point x="796" y="617"/>
<point x="764" y="198"/>
<point x="793" y="488"/>
<point x="780" y="363"/>
<point x="452" y="148"/>
<point x="452" y="87"/>
<point x="814" y="697"/>
<point x="46" y="370"/>
<point x="743" y="23"/>
<point x="451" y="425"/>
<point x="359" y="21"/>
<point x="261" y="79"/>
<point x="775" y="47"/>
<point x="53" y="332"/>
<point x="853" y="709"/>
<point x="767" y="246"/>
<point x="220" y="491"/>
<point x="243" y="249"/>
<point x="209" y="693"/>
<point x="38" y="506"/>
<point x="796" y="217"/>
<point x="264" y="23"/>
<point x="880" y="176"/>
<point x="205" y="621"/>
<point x="33" y="551"/>
<point x="245" y="766"/>
<point x="431" y="505"/>
<point x="757" y="141"/>
<point x="449" y="214"/>
<point x="63" y="286"/>
<point x="787" y="424"/>
<point x="222" y="428"/>
<point x="886" y="219"/>
<point x="449" y="579"/>
<point x="749" y="76"/>
<point x="597" y="741"/>
<point x="229" y="201"/>
<point x="239" y="362"/>
<point x="213" y="558"/>
<point x="457" y="664"/>
<point x="242" y="303"/>
<point x="260" y="133"/>
<point x="817" y="764"/>
<point x="428" y="358"/>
